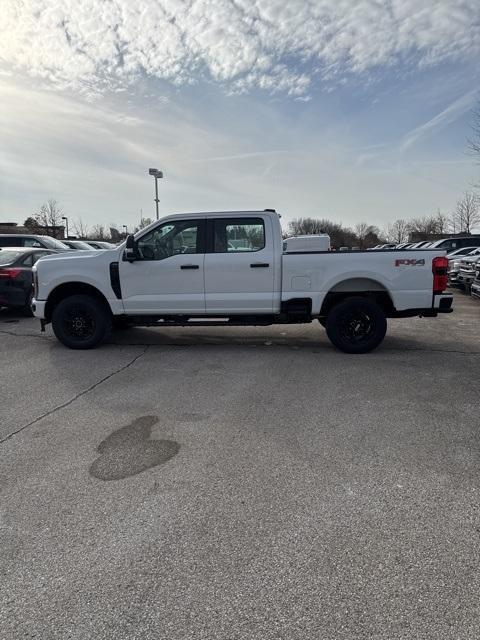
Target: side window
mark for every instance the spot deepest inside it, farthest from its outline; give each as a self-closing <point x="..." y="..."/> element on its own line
<point x="171" y="239"/>
<point x="10" y="242"/>
<point x="28" y="261"/>
<point x="237" y="235"/>
<point x="31" y="242"/>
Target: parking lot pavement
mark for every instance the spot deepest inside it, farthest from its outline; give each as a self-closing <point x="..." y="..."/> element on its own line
<point x="241" y="483"/>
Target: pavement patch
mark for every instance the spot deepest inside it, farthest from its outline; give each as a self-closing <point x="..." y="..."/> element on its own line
<point x="128" y="451"/>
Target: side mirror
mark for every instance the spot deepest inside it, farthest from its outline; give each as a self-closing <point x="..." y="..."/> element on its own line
<point x="130" y="249"/>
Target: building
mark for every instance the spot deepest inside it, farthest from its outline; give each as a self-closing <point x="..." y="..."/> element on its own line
<point x="56" y="231"/>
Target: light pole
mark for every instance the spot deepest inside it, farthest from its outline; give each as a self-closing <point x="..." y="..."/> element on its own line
<point x="66" y="225"/>
<point x="156" y="174"/>
<point x="126" y="230"/>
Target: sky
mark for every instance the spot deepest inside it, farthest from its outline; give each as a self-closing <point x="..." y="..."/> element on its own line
<point x="344" y="109"/>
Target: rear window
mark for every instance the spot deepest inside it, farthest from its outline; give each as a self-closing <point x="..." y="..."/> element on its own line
<point x="233" y="235"/>
<point x="7" y="257"/>
<point x="11" y="241"/>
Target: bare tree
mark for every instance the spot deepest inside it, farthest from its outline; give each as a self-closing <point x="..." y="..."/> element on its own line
<point x="397" y="231"/>
<point x="425" y="226"/>
<point x="144" y="222"/>
<point x="364" y="232"/>
<point x="340" y="236"/>
<point x="467" y="213"/>
<point x="97" y="232"/>
<point x="81" y="228"/>
<point x="49" y="215"/>
<point x="442" y="222"/>
<point x="306" y="226"/>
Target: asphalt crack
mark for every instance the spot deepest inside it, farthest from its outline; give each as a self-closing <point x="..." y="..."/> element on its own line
<point x="77" y="396"/>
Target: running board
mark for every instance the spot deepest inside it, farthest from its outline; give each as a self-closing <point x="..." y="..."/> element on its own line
<point x="185" y="321"/>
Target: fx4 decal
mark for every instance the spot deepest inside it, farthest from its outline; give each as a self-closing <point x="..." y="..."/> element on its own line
<point x="410" y="262"/>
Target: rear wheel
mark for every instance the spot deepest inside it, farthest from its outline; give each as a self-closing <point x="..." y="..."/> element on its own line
<point x="356" y="325"/>
<point x="81" y="322"/>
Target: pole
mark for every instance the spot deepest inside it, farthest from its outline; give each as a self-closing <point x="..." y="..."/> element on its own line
<point x="156" y="195"/>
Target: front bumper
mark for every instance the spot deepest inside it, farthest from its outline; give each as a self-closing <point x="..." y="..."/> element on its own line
<point x="38" y="308"/>
<point x="475" y="289"/>
<point x="466" y="277"/>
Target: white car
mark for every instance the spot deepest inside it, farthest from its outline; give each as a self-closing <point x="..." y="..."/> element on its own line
<point x="190" y="269"/>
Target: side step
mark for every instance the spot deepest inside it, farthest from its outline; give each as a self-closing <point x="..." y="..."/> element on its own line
<point x="186" y="321"/>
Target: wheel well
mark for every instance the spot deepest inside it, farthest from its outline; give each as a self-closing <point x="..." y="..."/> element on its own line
<point x="363" y="287"/>
<point x="71" y="289"/>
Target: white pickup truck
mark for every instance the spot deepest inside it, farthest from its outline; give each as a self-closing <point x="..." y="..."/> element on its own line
<point x="234" y="268"/>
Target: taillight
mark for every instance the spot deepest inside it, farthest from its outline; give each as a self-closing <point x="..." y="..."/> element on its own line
<point x="9" y="273"/>
<point x="440" y="277"/>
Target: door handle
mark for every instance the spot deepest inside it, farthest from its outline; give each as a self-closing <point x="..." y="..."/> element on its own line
<point x="189" y="266"/>
<point x="257" y="265"/>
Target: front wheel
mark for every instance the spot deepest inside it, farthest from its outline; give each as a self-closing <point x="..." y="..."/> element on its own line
<point x="81" y="322"/>
<point x="356" y="325"/>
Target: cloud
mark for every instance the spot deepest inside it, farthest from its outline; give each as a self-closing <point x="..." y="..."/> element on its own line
<point x="274" y="45"/>
<point x="442" y="119"/>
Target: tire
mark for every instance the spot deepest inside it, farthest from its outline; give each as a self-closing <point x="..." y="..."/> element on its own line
<point x="356" y="325"/>
<point x="81" y="322"/>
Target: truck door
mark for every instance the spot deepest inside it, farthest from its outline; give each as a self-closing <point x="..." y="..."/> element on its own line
<point x="168" y="274"/>
<point x="239" y="265"/>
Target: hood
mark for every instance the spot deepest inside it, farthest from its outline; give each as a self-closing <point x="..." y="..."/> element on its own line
<point x="79" y="255"/>
<point x="471" y="260"/>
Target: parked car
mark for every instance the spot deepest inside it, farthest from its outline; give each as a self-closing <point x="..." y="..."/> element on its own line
<point x="454" y="267"/>
<point x="27" y="240"/>
<point x="16" y="275"/>
<point x="77" y="245"/>
<point x="383" y="247"/>
<point x="467" y="270"/>
<point x="463" y="251"/>
<point x="100" y="244"/>
<point x="450" y="244"/>
<point x="475" y="288"/>
<point x="424" y="244"/>
<point x="185" y="271"/>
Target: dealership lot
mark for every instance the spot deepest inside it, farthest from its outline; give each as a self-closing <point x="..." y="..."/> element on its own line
<point x="241" y="483"/>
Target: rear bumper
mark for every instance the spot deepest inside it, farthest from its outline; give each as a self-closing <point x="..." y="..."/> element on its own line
<point x="38" y="308"/>
<point x="442" y="303"/>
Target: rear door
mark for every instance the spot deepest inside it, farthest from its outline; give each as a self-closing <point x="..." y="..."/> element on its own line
<point x="239" y="265"/>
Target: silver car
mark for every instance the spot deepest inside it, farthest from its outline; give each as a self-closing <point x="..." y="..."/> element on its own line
<point x="467" y="270"/>
<point x="454" y="265"/>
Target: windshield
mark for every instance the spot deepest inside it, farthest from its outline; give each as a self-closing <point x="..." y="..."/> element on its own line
<point x="6" y="257"/>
